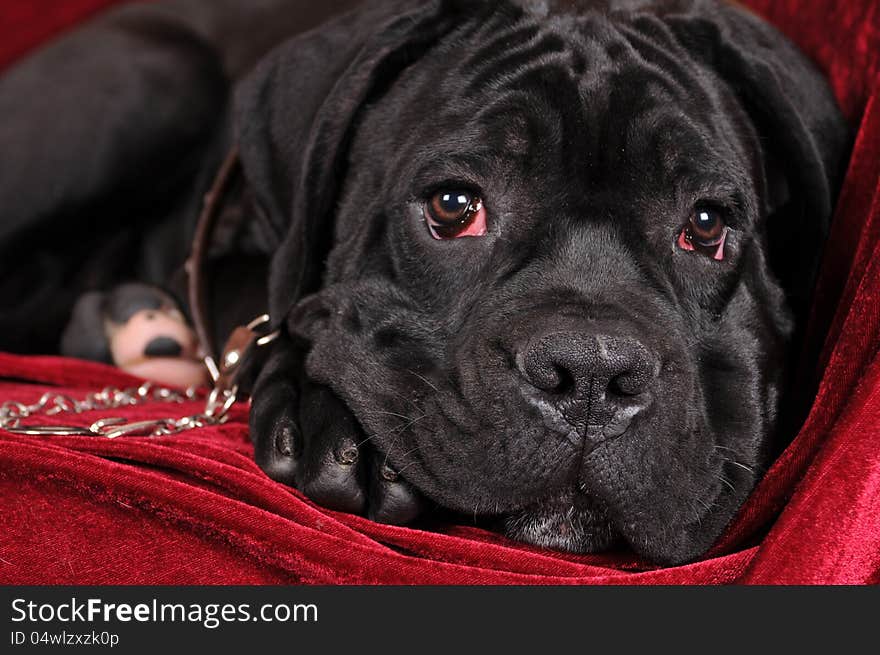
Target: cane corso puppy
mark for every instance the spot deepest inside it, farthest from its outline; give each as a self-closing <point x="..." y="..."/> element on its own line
<point x="536" y="262"/>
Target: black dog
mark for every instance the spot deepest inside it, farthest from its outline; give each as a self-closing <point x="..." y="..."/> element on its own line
<point x="538" y="261"/>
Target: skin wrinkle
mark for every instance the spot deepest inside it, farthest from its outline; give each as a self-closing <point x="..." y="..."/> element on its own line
<point x="627" y="129"/>
<point x="539" y="52"/>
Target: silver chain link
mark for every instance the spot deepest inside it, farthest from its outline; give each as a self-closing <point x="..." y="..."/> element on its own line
<point x="219" y="401"/>
<point x="216" y="411"/>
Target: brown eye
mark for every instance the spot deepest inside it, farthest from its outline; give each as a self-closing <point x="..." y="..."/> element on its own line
<point x="450" y="207"/>
<point x="452" y="213"/>
<point x="705" y="231"/>
<point x="706" y="226"/>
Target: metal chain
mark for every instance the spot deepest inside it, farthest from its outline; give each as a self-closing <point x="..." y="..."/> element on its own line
<point x="220" y="400"/>
<point x="216" y="411"/>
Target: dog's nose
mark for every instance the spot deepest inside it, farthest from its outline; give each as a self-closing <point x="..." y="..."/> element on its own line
<point x="602" y="369"/>
<point x="163" y="347"/>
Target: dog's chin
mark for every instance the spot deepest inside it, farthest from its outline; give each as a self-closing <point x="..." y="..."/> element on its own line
<point x="570" y="522"/>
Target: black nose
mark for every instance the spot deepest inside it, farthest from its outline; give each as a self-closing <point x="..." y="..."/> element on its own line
<point x="163" y="347"/>
<point x="597" y="373"/>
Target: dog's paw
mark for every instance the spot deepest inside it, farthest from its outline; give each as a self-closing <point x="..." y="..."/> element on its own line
<point x="305" y="437"/>
<point x="140" y="329"/>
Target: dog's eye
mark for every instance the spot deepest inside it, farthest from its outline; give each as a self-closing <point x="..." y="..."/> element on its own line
<point x="706" y="226"/>
<point x="452" y="213"/>
<point x="705" y="231"/>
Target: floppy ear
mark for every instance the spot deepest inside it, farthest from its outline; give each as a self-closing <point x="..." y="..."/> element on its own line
<point x="85" y="336"/>
<point x="295" y="115"/>
<point x="802" y="132"/>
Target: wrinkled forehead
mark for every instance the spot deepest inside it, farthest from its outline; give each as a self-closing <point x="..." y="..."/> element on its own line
<point x="596" y="90"/>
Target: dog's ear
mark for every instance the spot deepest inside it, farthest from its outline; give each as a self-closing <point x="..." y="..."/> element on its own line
<point x="802" y="133"/>
<point x="295" y="115"/>
<point x="85" y="336"/>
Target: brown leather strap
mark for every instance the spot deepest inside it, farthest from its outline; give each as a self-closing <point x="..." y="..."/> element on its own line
<point x="195" y="266"/>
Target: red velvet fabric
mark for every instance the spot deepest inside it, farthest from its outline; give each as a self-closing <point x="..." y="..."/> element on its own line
<point x="194" y="508"/>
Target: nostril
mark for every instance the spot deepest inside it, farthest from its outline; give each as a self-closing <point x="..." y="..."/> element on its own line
<point x="628" y="384"/>
<point x="617" y="386"/>
<point x="565" y="382"/>
<point x="546" y="374"/>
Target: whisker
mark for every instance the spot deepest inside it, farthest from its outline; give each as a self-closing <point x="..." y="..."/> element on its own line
<point x="745" y="467"/>
<point x="403" y="468"/>
<point x="739" y="464"/>
<point x="730" y="450"/>
<point x="697" y="514"/>
<point x="395" y="430"/>
<point x="411" y="450"/>
<point x="702" y="502"/>
<point x="721" y="478"/>
<point x="423" y="379"/>
<point x="403" y="416"/>
<point x="405" y="399"/>
<point x="406" y="467"/>
<point x="361" y="443"/>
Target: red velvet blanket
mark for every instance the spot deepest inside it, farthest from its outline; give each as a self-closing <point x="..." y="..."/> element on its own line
<point x="194" y="508"/>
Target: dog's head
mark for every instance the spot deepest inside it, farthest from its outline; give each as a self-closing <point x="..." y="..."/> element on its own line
<point x="550" y="258"/>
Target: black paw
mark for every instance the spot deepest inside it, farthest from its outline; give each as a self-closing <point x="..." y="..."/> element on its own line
<point x="305" y="437"/>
